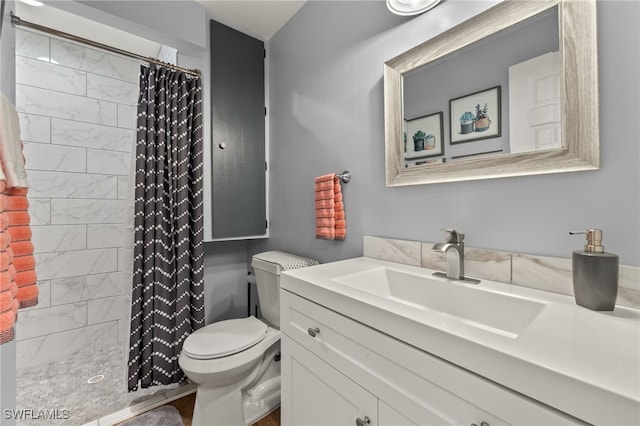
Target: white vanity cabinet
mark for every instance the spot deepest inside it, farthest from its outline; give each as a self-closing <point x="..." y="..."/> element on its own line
<point x="337" y="371"/>
<point x="318" y="393"/>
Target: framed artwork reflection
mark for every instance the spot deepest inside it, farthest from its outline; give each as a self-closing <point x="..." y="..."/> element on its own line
<point x="475" y="116"/>
<point x="423" y="137"/>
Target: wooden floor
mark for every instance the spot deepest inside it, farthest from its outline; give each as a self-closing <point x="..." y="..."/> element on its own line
<point x="272" y="419"/>
<point x="185" y="407"/>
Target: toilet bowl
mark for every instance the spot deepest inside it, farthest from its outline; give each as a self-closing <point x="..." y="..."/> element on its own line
<point x="236" y="362"/>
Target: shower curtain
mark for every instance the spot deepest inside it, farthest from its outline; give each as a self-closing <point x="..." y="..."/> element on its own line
<point x="167" y="297"/>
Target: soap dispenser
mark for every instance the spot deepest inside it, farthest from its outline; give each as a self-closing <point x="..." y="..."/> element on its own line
<point x="595" y="274"/>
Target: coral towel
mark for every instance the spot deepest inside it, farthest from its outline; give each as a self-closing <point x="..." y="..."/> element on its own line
<point x="8" y="287"/>
<point x="330" y="218"/>
<point x="16" y="206"/>
<point x="12" y="170"/>
<point x="18" y="287"/>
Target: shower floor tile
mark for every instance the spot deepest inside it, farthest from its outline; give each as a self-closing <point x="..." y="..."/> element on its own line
<point x="64" y="386"/>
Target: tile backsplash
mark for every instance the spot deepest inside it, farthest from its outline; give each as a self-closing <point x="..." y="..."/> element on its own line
<point x="540" y="272"/>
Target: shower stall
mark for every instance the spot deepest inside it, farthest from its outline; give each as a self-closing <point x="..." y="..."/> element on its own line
<point x="77" y="109"/>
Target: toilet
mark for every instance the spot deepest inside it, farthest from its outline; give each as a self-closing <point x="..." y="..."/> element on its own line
<point x="236" y="362"/>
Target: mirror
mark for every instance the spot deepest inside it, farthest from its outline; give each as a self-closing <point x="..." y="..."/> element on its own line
<point x="512" y="91"/>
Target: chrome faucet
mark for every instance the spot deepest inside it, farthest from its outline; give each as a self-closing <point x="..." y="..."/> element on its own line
<point x="453" y="247"/>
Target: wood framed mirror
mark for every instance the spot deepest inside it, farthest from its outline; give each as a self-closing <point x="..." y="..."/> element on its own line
<point x="496" y="147"/>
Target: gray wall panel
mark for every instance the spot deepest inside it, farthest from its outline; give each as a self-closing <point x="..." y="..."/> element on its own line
<point x="327" y="115"/>
<point x="237" y="108"/>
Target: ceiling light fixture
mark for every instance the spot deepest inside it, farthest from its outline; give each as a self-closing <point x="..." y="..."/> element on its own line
<point x="32" y="2"/>
<point x="411" y="7"/>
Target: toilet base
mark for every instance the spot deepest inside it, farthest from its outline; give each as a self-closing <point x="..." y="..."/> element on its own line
<point x="263" y="398"/>
<point x="241" y="403"/>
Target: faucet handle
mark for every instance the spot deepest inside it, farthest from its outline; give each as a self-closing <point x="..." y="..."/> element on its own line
<point x="453" y="236"/>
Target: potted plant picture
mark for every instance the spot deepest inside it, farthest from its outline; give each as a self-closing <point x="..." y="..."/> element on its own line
<point x="418" y="140"/>
<point x="482" y="120"/>
<point x="475" y="116"/>
<point x="426" y="132"/>
<point x="429" y="142"/>
<point x="466" y="122"/>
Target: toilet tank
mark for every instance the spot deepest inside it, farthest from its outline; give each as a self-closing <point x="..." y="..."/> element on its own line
<point x="267" y="267"/>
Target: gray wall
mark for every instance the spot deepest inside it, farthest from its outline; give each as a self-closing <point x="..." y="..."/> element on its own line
<point x="225" y="280"/>
<point x="176" y="23"/>
<point x="327" y="115"/>
<point x="7" y="87"/>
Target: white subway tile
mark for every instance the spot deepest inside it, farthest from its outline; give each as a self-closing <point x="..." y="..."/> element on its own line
<point x="53" y="238"/>
<point x="105" y="235"/>
<point x="32" y="45"/>
<point x="487" y="264"/>
<point x="86" y="211"/>
<point x="44" y="296"/>
<point x="401" y="251"/>
<point x="40" y="211"/>
<point x="73" y="263"/>
<point x="95" y="61"/>
<point x="33" y="100"/>
<point x="127" y="116"/>
<point x="167" y="54"/>
<point x="125" y="259"/>
<point x="45" y="75"/>
<point x="111" y="89"/>
<point x="542" y="272"/>
<point x="629" y="286"/>
<point x="45" y="349"/>
<point x="128" y="229"/>
<point x="108" y="162"/>
<point x="106" y="309"/>
<point x="45" y="184"/>
<point x="479" y="263"/>
<point x="45" y="156"/>
<point x="123" y="187"/>
<point x="123" y="328"/>
<point x="35" y="128"/>
<point x="67" y="132"/>
<point x="86" y="287"/>
<point x="432" y="259"/>
<point x="127" y="280"/>
<point x="70" y="111"/>
<point x="54" y="319"/>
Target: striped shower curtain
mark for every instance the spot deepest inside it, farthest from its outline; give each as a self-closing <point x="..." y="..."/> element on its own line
<point x="167" y="297"/>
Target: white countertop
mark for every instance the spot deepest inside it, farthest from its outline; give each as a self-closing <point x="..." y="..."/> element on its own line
<point x="582" y="362"/>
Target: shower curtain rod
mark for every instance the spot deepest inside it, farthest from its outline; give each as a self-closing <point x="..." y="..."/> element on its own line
<point x="15" y="20"/>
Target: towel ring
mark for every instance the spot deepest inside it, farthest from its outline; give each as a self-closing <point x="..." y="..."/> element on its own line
<point x="345" y="176"/>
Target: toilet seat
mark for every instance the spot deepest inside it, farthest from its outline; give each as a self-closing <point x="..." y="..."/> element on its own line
<point x="233" y="362"/>
<point x="224" y="338"/>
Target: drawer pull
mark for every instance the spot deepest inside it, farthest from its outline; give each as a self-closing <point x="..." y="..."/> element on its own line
<point x="481" y="424"/>
<point x="313" y="331"/>
<point x="363" y="422"/>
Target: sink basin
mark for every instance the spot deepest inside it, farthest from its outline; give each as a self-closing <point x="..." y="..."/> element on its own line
<point x="496" y="312"/>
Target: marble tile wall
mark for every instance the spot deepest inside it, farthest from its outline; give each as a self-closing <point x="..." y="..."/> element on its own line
<point x="543" y="273"/>
<point x="77" y="115"/>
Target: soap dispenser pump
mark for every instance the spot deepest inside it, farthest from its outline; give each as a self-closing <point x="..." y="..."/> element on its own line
<point x="595" y="274"/>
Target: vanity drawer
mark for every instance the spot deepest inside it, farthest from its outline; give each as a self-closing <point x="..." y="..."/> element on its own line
<point x="423" y="388"/>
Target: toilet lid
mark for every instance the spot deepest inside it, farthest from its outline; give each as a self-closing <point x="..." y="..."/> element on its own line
<point x="224" y="338"/>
